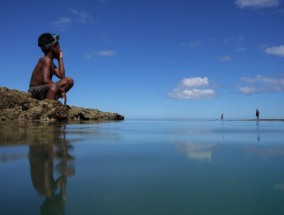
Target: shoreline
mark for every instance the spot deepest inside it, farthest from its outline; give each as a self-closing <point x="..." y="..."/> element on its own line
<point x="200" y="120"/>
<point x="268" y="120"/>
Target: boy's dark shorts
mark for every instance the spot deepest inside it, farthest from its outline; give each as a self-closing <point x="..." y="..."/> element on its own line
<point x="38" y="92"/>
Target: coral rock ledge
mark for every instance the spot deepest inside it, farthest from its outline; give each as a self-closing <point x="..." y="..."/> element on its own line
<point x="18" y="105"/>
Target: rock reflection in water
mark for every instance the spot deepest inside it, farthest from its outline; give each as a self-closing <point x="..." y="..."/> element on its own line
<point x="31" y="133"/>
<point x="49" y="158"/>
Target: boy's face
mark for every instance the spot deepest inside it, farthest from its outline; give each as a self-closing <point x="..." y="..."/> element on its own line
<point x="56" y="49"/>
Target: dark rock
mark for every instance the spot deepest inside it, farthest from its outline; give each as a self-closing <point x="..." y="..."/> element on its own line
<point x="18" y="105"/>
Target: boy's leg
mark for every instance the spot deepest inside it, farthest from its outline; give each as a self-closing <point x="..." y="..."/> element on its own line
<point x="53" y="91"/>
<point x="65" y="84"/>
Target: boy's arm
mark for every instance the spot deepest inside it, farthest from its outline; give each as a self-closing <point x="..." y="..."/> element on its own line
<point x="46" y="68"/>
<point x="60" y="72"/>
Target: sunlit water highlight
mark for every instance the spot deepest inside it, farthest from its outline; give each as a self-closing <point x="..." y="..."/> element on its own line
<point x="143" y="167"/>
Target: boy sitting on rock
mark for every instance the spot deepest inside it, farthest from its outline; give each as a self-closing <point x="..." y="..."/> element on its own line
<point x="41" y="84"/>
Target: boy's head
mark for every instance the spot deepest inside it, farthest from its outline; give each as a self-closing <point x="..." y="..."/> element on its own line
<point x="47" y="40"/>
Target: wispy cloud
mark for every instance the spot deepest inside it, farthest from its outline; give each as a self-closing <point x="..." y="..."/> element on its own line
<point x="191" y="44"/>
<point x="105" y="53"/>
<point x="276" y="50"/>
<point x="242" y="49"/>
<point x="261" y="84"/>
<point x="101" y="53"/>
<point x="225" y="58"/>
<point x="257" y="3"/>
<point x="192" y="88"/>
<point x="81" y="17"/>
<point x="75" y="17"/>
<point x="62" y="23"/>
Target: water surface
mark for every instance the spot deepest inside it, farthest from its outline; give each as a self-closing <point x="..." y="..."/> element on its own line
<point x="142" y="167"/>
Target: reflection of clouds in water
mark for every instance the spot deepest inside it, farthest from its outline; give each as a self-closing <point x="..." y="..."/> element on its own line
<point x="201" y="152"/>
<point x="265" y="151"/>
<point x="279" y="186"/>
<point x="194" y="131"/>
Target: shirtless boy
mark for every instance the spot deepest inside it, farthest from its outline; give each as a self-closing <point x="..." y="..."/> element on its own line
<point x="41" y="84"/>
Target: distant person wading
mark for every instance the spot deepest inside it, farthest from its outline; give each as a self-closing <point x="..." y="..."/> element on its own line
<point x="257" y="114"/>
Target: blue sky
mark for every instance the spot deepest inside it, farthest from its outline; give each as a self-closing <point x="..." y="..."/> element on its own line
<point x="155" y="59"/>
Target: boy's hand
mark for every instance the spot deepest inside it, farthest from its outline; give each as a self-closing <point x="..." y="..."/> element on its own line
<point x="61" y="54"/>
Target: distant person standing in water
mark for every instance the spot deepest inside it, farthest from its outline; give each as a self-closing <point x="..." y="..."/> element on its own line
<point x="41" y="84"/>
<point x="257" y="114"/>
<point x="222" y="116"/>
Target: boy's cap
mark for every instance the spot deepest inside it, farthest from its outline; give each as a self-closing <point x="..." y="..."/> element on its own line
<point x="53" y="39"/>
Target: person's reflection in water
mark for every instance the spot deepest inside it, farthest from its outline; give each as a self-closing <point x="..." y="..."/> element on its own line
<point x="257" y="131"/>
<point x="45" y="161"/>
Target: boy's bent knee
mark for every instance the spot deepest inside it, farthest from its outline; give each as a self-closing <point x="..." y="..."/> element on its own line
<point x="70" y="81"/>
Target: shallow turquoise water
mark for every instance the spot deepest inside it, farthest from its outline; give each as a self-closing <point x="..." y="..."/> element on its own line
<point x="143" y="167"/>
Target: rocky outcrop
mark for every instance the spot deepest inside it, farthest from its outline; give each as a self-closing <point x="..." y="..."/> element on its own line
<point x="18" y="105"/>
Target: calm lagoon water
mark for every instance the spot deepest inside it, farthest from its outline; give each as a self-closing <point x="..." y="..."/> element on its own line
<point x="143" y="167"/>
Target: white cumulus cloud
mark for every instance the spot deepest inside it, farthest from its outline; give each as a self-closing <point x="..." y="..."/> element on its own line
<point x="194" y="82"/>
<point x="276" y="50"/>
<point x="257" y="3"/>
<point x="261" y="84"/>
<point x="192" y="88"/>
